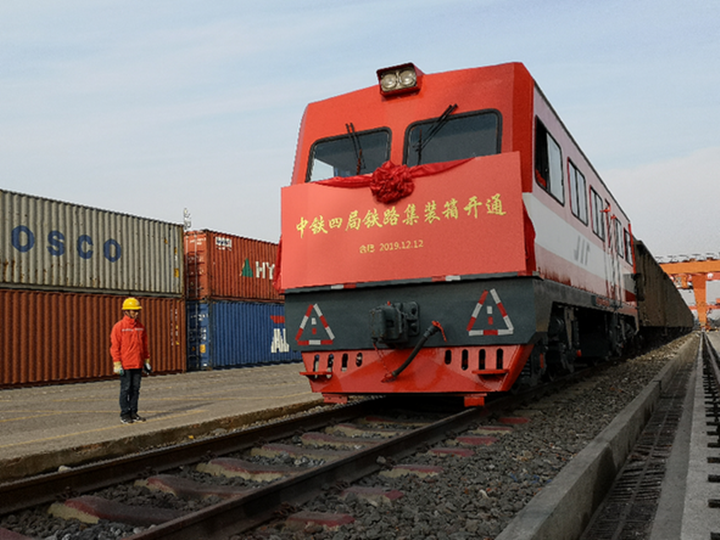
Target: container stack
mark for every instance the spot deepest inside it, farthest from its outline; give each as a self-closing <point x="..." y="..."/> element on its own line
<point x="235" y="316"/>
<point x="65" y="270"/>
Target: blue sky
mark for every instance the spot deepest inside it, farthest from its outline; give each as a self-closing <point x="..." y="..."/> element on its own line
<point x="151" y="107"/>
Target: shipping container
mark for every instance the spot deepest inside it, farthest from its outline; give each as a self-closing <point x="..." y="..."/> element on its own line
<point x="223" y="334"/>
<point x="51" y="337"/>
<point x="54" y="245"/>
<point x="226" y="267"/>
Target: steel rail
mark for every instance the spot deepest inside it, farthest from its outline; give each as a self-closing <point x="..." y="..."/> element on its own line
<point x="712" y="414"/>
<point x="251" y="510"/>
<point x="713" y="357"/>
<point x="248" y="511"/>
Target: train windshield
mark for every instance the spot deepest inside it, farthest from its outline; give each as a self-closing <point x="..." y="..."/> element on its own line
<point x="349" y="155"/>
<point x="453" y="137"/>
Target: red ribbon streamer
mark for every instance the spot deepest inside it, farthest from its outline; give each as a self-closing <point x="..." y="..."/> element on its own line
<point x="390" y="182"/>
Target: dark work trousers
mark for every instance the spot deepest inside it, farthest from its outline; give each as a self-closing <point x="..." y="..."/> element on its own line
<point x="130" y="391"/>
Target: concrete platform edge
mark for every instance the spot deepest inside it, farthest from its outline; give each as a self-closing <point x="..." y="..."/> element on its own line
<point x="562" y="510"/>
<point x="34" y="464"/>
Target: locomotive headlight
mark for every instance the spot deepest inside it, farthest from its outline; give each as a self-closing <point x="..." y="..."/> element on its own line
<point x="389" y="82"/>
<point x="399" y="79"/>
<point x="408" y="77"/>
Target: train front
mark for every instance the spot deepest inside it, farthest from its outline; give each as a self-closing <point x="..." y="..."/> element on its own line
<point x="406" y="254"/>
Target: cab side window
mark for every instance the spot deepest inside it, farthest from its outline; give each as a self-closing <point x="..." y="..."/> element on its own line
<point x="598" y="217"/>
<point x="578" y="193"/>
<point x="548" y="163"/>
<point x="628" y="246"/>
<point x="617" y="238"/>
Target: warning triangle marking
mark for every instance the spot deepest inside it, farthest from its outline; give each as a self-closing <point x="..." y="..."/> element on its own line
<point x="509" y="328"/>
<point x="313" y="315"/>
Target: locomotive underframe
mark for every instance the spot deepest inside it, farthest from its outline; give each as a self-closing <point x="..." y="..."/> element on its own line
<point x="494" y="334"/>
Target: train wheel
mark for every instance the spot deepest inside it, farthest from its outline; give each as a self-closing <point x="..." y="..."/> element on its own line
<point x="549" y="376"/>
<point x="562" y="341"/>
<point x="560" y="360"/>
<point x="534" y="370"/>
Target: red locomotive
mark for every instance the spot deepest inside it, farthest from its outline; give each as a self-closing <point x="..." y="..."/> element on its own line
<point x="444" y="234"/>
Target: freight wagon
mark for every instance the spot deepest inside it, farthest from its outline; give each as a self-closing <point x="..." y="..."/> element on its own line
<point x="662" y="311"/>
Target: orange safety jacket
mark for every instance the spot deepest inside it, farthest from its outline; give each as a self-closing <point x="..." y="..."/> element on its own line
<point x="129" y="343"/>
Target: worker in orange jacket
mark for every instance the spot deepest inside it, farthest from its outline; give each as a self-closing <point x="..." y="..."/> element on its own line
<point x="129" y="351"/>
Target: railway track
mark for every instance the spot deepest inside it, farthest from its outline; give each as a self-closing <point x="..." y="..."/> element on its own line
<point x="352" y="459"/>
<point x="386" y="440"/>
<point x="336" y="448"/>
<point x="310" y="455"/>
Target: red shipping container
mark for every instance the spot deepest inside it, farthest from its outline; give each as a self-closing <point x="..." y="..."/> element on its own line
<point x="227" y="267"/>
<point x="51" y="337"/>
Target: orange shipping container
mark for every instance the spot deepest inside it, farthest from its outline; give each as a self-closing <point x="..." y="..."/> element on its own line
<point x="50" y="337"/>
<point x="227" y="267"/>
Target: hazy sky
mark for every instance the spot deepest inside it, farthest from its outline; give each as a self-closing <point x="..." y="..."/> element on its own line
<point x="150" y="107"/>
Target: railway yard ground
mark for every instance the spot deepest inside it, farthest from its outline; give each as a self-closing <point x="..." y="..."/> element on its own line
<point x="638" y="430"/>
<point x="46" y="427"/>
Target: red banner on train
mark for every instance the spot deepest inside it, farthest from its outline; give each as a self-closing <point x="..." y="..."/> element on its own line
<point x="464" y="220"/>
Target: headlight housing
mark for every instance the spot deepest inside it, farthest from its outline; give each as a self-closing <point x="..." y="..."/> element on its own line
<point x="399" y="79"/>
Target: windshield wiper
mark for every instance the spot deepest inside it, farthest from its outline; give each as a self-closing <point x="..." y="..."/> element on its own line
<point x="434" y="128"/>
<point x="356" y="146"/>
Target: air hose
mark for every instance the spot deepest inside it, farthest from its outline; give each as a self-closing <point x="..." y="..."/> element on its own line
<point x="433" y="329"/>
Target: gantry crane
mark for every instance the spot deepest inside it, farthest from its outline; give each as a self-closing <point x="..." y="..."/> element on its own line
<point x="694" y="273"/>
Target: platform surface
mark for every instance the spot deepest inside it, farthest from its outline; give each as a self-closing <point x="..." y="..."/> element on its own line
<point x="45" y="427"/>
<point x="684" y="510"/>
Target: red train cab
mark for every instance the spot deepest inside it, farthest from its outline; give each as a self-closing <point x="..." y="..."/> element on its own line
<point x="444" y="234"/>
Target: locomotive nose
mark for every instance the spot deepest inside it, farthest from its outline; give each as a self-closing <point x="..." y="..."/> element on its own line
<point x="394" y="324"/>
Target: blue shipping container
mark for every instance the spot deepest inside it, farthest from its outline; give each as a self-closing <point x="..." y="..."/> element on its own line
<point x="224" y="334"/>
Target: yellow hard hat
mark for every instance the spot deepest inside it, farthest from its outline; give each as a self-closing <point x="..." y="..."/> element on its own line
<point x="131" y="304"/>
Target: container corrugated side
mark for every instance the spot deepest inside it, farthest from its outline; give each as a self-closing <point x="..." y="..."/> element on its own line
<point x="224" y="334"/>
<point x="228" y="267"/>
<point x="54" y="245"/>
<point x="660" y="305"/>
<point x="50" y="337"/>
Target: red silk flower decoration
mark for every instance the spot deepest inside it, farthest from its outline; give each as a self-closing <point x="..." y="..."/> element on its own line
<point x="391" y="182"/>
